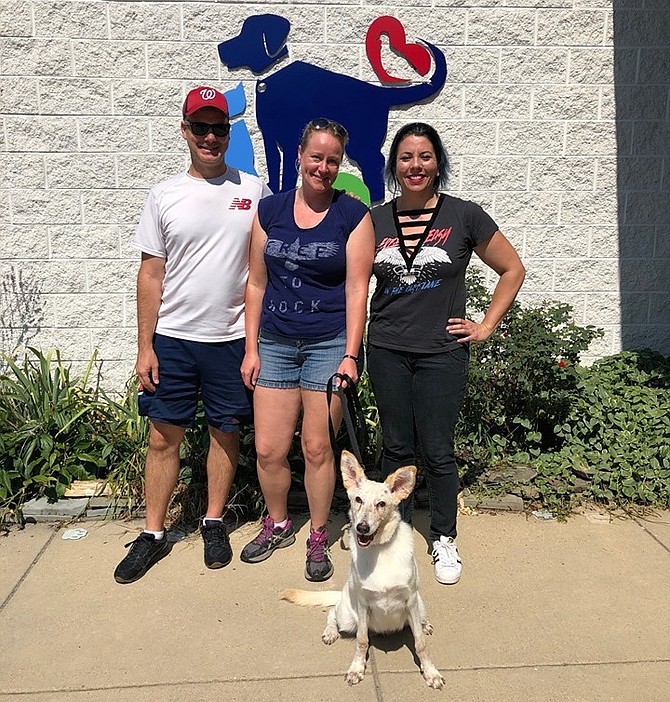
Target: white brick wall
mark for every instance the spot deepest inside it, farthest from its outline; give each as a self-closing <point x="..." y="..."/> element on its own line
<point x="555" y="113"/>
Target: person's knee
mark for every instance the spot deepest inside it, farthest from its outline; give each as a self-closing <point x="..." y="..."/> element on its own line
<point x="399" y="454"/>
<point x="268" y="454"/>
<point x="398" y="444"/>
<point x="316" y="452"/>
<point x="441" y="465"/>
<point x="165" y="440"/>
<point x="226" y="441"/>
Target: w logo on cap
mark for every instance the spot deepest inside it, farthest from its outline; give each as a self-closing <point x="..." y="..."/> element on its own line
<point x="204" y="96"/>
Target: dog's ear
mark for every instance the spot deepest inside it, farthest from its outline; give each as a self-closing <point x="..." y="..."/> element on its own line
<point x="275" y="33"/>
<point x="401" y="483"/>
<point x="352" y="473"/>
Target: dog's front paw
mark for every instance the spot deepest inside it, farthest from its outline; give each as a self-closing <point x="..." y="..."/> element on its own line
<point x="330" y="635"/>
<point x="433" y="678"/>
<point x="427" y="627"/>
<point x="354" y="675"/>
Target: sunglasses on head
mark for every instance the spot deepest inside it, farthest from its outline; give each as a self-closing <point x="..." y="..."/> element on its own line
<point x="323" y="123"/>
<point x="202" y="128"/>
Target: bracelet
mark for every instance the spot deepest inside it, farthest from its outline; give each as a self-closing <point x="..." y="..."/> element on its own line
<point x="348" y="355"/>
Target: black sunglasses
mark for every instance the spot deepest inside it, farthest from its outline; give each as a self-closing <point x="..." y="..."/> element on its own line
<point x="202" y="128"/>
<point x="323" y="123"/>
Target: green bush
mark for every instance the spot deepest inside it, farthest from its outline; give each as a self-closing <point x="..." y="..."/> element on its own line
<point x="522" y="381"/>
<point x="50" y="429"/>
<point x="55" y="428"/>
<point x="616" y="438"/>
<point x="602" y="432"/>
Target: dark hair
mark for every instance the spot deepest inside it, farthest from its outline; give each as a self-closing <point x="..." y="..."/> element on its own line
<point x="420" y="129"/>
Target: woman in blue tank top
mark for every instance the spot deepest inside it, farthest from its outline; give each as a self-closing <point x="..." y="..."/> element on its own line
<point x="310" y="265"/>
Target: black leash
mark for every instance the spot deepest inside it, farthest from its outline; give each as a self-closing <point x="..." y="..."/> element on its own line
<point x="354" y="419"/>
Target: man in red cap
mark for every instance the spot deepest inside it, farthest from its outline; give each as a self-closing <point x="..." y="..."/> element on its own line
<point x="194" y="240"/>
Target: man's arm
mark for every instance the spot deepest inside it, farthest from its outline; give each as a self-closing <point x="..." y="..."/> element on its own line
<point x="149" y="293"/>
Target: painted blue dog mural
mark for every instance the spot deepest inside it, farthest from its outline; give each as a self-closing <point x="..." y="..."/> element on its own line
<point x="240" y="152"/>
<point x="293" y="95"/>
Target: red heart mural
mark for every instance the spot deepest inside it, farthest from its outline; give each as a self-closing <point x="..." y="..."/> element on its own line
<point x="417" y="55"/>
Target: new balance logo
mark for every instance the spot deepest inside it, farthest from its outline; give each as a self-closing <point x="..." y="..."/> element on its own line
<point x="239" y="203"/>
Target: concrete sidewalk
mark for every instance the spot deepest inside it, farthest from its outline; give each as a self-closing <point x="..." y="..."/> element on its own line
<point x="544" y="611"/>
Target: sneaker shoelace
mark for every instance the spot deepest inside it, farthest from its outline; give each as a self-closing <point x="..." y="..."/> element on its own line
<point x="317" y="546"/>
<point x="445" y="554"/>
<point x="267" y="532"/>
<point x="216" y="533"/>
<point x="141" y="547"/>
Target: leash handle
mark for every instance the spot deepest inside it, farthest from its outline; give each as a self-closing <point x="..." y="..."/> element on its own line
<point x="349" y="399"/>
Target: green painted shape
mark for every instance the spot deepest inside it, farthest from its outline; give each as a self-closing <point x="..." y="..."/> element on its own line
<point x="354" y="185"/>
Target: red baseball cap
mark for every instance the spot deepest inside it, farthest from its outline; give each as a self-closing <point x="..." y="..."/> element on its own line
<point x="204" y="96"/>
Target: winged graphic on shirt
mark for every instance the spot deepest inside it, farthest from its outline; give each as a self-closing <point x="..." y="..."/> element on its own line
<point x="295" y="252"/>
<point x="422" y="265"/>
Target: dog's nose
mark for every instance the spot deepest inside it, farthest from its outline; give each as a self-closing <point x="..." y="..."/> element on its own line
<point x="363" y="528"/>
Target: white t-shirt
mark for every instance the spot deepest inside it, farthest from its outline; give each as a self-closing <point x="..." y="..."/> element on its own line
<point x="202" y="229"/>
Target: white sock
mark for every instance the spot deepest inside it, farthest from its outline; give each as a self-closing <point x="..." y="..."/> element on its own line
<point x="157" y="534"/>
<point x="211" y="519"/>
<point x="282" y="525"/>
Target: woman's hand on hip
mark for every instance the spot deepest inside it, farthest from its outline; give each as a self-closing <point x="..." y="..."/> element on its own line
<point x="467" y="330"/>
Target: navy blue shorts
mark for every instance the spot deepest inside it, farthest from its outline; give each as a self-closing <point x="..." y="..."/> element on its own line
<point x="188" y="369"/>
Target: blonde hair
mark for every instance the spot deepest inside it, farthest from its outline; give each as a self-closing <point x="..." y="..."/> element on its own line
<point x="322" y="124"/>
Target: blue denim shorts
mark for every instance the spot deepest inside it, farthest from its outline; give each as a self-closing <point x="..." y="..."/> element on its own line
<point x="299" y="363"/>
<point x="192" y="369"/>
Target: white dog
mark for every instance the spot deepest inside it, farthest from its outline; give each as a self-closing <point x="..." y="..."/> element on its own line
<point x="381" y="593"/>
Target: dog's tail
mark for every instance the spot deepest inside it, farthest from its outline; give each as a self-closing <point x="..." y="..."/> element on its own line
<point x="309" y="598"/>
<point x="406" y="95"/>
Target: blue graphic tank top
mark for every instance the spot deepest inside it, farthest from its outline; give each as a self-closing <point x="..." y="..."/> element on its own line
<point x="304" y="297"/>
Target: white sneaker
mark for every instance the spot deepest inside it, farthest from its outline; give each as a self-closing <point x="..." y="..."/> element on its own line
<point x="446" y="560"/>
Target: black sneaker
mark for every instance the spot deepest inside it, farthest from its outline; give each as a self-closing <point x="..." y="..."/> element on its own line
<point x="269" y="539"/>
<point x="218" y="552"/>
<point x="318" y="566"/>
<point x="144" y="552"/>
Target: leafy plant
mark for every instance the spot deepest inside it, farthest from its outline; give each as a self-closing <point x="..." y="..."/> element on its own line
<point x="602" y="432"/>
<point x="522" y="380"/>
<point x="374" y="432"/>
<point x="50" y="429"/>
<point x="617" y="434"/>
<point x="56" y="428"/>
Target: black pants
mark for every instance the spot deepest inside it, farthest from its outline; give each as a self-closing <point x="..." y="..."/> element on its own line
<point x="422" y="390"/>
